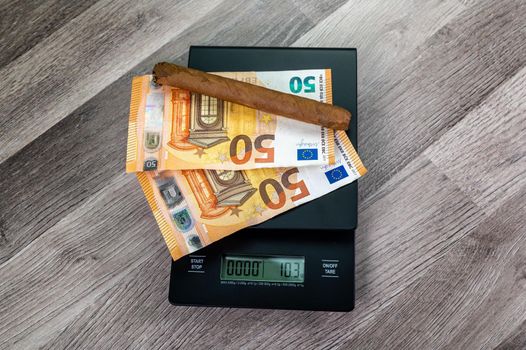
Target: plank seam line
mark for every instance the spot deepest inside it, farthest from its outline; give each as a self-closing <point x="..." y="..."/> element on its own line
<point x="445" y="130"/>
<point x="79" y="206"/>
<point x="49" y="34"/>
<point x="5" y="156"/>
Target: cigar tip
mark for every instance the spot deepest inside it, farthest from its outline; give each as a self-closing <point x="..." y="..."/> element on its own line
<point x="343" y="124"/>
<point x="161" y="68"/>
<point x="162" y="64"/>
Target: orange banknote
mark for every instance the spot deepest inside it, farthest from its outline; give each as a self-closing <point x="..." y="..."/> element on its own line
<point x="173" y="129"/>
<point x="194" y="208"/>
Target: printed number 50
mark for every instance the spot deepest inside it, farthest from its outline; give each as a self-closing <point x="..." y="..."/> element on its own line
<point x="285" y="180"/>
<point x="296" y="85"/>
<point x="258" y="143"/>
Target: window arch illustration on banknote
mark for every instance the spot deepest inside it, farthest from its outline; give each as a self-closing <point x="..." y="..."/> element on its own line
<point x="217" y="191"/>
<point x="197" y="121"/>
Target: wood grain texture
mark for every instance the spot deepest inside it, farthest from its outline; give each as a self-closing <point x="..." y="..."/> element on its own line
<point x="73" y="64"/>
<point x="61" y="152"/>
<point x="450" y="73"/>
<point x="83" y="243"/>
<point x="515" y="340"/>
<point x="485" y="153"/>
<point x="440" y="249"/>
<point x="384" y="33"/>
<point x="25" y="23"/>
<point x="471" y="299"/>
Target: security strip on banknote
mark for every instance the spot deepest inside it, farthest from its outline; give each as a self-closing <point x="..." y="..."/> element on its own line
<point x="174" y="129"/>
<point x="194" y="208"/>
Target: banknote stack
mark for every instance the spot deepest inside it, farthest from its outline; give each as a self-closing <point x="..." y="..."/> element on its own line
<point x="209" y="168"/>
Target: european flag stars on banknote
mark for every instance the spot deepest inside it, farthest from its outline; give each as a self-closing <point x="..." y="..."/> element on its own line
<point x="307" y="154"/>
<point x="336" y="174"/>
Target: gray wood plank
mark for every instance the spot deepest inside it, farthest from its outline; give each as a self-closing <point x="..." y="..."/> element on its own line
<point x="473" y="299"/>
<point x="243" y="24"/>
<point x="515" y="340"/>
<point x="384" y="33"/>
<point x="69" y="163"/>
<point x="434" y="87"/>
<point x="318" y="10"/>
<point x="65" y="271"/>
<point x="485" y="154"/>
<point x="392" y="254"/>
<point x="26" y="23"/>
<point x="80" y="59"/>
<point x="76" y="157"/>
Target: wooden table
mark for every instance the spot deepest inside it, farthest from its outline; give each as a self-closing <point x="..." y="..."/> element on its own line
<point x="441" y="244"/>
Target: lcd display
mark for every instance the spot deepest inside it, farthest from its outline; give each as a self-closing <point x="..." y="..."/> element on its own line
<point x="263" y="268"/>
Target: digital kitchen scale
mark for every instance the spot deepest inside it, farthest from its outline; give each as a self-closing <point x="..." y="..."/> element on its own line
<point x="302" y="259"/>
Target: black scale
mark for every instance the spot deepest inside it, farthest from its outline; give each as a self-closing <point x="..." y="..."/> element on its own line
<point x="302" y="259"/>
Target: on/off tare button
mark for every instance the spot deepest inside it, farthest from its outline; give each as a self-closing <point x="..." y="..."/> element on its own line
<point x="197" y="263"/>
<point x="329" y="268"/>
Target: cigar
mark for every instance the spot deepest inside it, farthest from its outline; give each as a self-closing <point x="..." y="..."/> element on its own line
<point x="253" y="96"/>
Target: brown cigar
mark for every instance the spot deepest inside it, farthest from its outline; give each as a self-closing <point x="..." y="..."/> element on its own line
<point x="252" y="96"/>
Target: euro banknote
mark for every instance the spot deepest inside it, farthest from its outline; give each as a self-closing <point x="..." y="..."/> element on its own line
<point x="173" y="129"/>
<point x="194" y="208"/>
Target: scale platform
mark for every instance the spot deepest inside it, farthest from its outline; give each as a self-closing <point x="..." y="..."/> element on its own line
<point x="302" y="259"/>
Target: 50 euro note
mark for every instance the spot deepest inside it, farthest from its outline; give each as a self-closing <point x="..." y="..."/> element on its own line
<point x="172" y="129"/>
<point x="194" y="208"/>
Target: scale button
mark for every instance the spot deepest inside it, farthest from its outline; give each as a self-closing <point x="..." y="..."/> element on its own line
<point x="330" y="268"/>
<point x="196" y="263"/>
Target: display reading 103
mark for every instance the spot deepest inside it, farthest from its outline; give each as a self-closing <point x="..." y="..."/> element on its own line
<point x="263" y="268"/>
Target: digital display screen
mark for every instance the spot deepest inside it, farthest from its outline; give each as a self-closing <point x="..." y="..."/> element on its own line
<point x="263" y="268"/>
